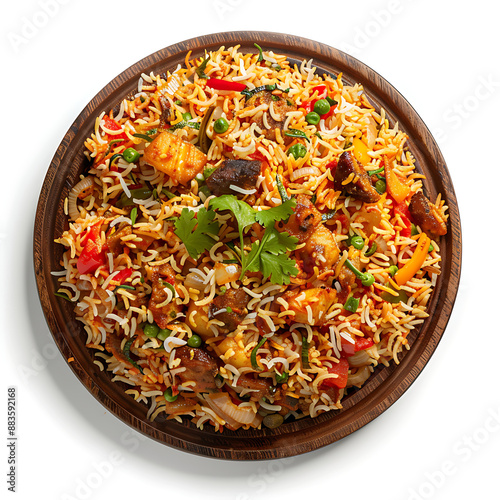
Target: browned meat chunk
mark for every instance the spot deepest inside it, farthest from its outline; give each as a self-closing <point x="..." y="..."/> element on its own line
<point x="233" y="304"/>
<point x="114" y="241"/>
<point x="139" y="301"/>
<point x="165" y="113"/>
<point x="360" y="186"/>
<point x="304" y="220"/>
<point x="180" y="405"/>
<point x="262" y="387"/>
<point x="288" y="403"/>
<point x="281" y="106"/>
<point x="144" y="243"/>
<point x="200" y="368"/>
<point x="240" y="173"/>
<point x="346" y="279"/>
<point x="332" y="392"/>
<point x="162" y="314"/>
<point x="427" y="215"/>
<point x="113" y="345"/>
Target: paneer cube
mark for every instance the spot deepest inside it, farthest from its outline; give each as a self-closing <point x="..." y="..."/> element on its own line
<point x="179" y="159"/>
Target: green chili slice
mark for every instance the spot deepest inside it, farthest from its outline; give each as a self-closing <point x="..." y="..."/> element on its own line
<point x="281" y="378"/>
<point x="249" y="93"/>
<point x="126" y="353"/>
<point x="62" y="295"/>
<point x="114" y="157"/>
<point x="170" y="287"/>
<point x="133" y="215"/>
<point x="167" y="193"/>
<point x="144" y="137"/>
<point x="261" y="56"/>
<point x="367" y="279"/>
<point x="351" y="304"/>
<point x="138" y="194"/>
<point x="281" y="189"/>
<point x="110" y="143"/>
<point x="293" y="132"/>
<point x="402" y="296"/>
<point x="184" y="123"/>
<point x="305" y="353"/>
<point x="126" y="287"/>
<point x="253" y="356"/>
<point x="200" y="70"/>
<point x="328" y="215"/>
<point x="378" y="171"/>
<point x="372" y="250"/>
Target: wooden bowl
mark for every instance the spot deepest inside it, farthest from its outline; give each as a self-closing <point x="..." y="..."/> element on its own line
<point x="384" y="387"/>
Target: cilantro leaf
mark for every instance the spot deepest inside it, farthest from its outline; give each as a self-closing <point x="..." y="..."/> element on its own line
<point x="269" y="254"/>
<point x="244" y="213"/>
<point x="252" y="261"/>
<point x="278" y="268"/>
<point x="275" y="214"/>
<point x="279" y="242"/>
<point x="194" y="232"/>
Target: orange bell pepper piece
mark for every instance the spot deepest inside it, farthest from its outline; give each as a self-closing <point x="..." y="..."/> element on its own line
<point x="411" y="268"/>
<point x="361" y="151"/>
<point x="395" y="187"/>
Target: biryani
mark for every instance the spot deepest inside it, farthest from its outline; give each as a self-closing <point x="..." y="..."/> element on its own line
<point x="250" y="240"/>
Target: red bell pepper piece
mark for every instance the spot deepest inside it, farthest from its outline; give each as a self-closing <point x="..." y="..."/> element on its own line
<point x="332" y="166"/>
<point x="342" y="370"/>
<point x="92" y="255"/>
<point x="404" y="213"/>
<point x="322" y="92"/>
<point x="218" y="84"/>
<point x="257" y="156"/>
<point x="330" y="113"/>
<point x="362" y="343"/>
<point x="343" y="219"/>
<point x="110" y="124"/>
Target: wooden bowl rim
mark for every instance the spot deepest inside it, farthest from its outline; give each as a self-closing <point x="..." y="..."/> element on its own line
<point x="386" y="385"/>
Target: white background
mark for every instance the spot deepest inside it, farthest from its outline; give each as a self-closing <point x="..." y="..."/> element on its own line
<point x="441" y="439"/>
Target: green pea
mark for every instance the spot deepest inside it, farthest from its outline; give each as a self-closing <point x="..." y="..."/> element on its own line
<point x="380" y="186"/>
<point x="194" y="341"/>
<point x="163" y="334"/>
<point x="393" y="270"/>
<point x="151" y="330"/>
<point x="414" y="230"/>
<point x="357" y="242"/>
<point x="322" y="107"/>
<point x="187" y="116"/>
<point x="130" y="155"/>
<point x="297" y="151"/>
<point x="220" y="126"/>
<point x="313" y="118"/>
<point x="431" y="248"/>
<point x="367" y="279"/>
<point x="169" y="396"/>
